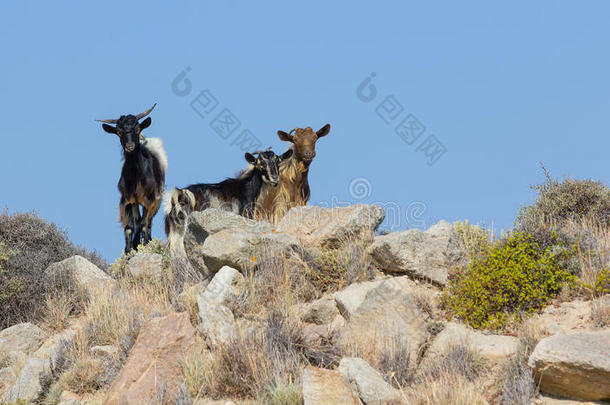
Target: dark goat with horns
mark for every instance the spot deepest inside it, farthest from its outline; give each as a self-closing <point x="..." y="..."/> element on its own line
<point x="237" y="194"/>
<point x="142" y="176"/>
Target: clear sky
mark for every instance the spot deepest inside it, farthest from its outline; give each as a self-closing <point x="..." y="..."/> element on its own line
<point x="501" y="85"/>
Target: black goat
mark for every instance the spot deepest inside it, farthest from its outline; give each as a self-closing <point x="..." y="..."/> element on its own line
<point x="142" y="176"/>
<point x="239" y="194"/>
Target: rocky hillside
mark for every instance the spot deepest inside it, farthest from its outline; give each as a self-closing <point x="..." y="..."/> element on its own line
<point x="318" y="310"/>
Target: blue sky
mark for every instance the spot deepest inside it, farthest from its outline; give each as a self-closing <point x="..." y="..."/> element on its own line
<point x="501" y="86"/>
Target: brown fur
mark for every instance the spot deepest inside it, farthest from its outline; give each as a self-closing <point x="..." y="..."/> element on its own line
<point x="293" y="189"/>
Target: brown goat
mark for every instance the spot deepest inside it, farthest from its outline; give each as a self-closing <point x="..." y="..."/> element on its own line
<point x="293" y="189"/>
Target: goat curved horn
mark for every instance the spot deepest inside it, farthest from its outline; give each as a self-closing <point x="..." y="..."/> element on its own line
<point x="108" y="121"/>
<point x="145" y="113"/>
<point x="292" y="131"/>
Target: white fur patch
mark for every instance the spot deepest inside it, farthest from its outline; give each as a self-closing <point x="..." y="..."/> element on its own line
<point x="167" y="200"/>
<point x="155" y="146"/>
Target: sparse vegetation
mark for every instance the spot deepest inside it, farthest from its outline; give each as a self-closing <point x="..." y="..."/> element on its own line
<point x="516" y="276"/>
<point x="28" y="245"/>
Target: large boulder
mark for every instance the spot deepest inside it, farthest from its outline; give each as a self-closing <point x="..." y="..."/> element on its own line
<point x="226" y="286"/>
<point x="33" y="379"/>
<point x="424" y="255"/>
<point x="387" y="316"/>
<point x="144" y="264"/>
<point x="368" y="382"/>
<point x="575" y="365"/>
<point x="490" y="347"/>
<point x="86" y="275"/>
<point x="329" y="227"/>
<point x="222" y="238"/>
<point x="322" y="386"/>
<point x="349" y="299"/>
<point x="216" y="321"/>
<point x="154" y="360"/>
<point x="25" y="337"/>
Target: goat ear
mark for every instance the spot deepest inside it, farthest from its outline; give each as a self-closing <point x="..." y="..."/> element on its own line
<point x="323" y="131"/>
<point x="286" y="155"/>
<point x="109" y="128"/>
<point x="250" y="158"/>
<point x="145" y="124"/>
<point x="285" y="136"/>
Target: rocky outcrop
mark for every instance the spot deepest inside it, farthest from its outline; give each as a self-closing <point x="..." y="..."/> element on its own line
<point x="86" y="275"/>
<point x="330" y="227"/>
<point x="216" y="321"/>
<point x="368" y="382"/>
<point x="154" y="360"/>
<point x="575" y="365"/>
<point x="320" y="311"/>
<point x="222" y="238"/>
<point x="490" y="347"/>
<point x="31" y="383"/>
<point x="425" y="255"/>
<point x="145" y="264"/>
<point x="322" y="386"/>
<point x="24" y="337"/>
<point x="387" y="315"/>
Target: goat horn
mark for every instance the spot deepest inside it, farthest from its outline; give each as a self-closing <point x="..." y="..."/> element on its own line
<point x="108" y="121"/>
<point x="292" y="131"/>
<point x="145" y="113"/>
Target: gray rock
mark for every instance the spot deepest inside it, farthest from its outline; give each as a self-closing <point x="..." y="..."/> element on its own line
<point x="575" y="365"/>
<point x="222" y="238"/>
<point x="321" y="386"/>
<point x="387" y="316"/>
<point x="367" y="382"/>
<point x="225" y="287"/>
<point x="349" y="299"/>
<point x="104" y="352"/>
<point x="24" y="337"/>
<point x="320" y="311"/>
<point x="86" y="275"/>
<point x="216" y="322"/>
<point x="330" y="227"/>
<point x="424" y="255"/>
<point x="490" y="347"/>
<point x="32" y="381"/>
<point x="145" y="264"/>
<point x="7" y="377"/>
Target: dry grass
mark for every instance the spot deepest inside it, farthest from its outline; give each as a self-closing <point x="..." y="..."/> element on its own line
<point x="265" y="365"/>
<point x="516" y="383"/>
<point x="447" y="389"/>
<point x="600" y="312"/>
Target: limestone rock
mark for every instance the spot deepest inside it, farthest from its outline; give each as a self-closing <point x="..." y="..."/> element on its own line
<point x="32" y="380"/>
<point x="322" y="386"/>
<point x="216" y="322"/>
<point x="329" y="227"/>
<point x="320" y="311"/>
<point x="25" y="337"/>
<point x="386" y="316"/>
<point x="367" y="382"/>
<point x="154" y="360"/>
<point x="145" y="264"/>
<point x="86" y="275"/>
<point x="222" y="238"/>
<point x="491" y="347"/>
<point x="225" y="287"/>
<point x="575" y="365"/>
<point x="424" y="255"/>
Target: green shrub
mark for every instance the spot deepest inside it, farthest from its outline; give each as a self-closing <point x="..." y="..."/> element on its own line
<point x="28" y="245"/>
<point x="515" y="276"/>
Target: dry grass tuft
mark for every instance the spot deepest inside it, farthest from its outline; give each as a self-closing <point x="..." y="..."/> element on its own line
<point x="516" y="383"/>
<point x="600" y="312"/>
<point x="447" y="389"/>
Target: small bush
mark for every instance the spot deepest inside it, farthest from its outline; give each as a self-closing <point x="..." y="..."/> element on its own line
<point x="559" y="201"/>
<point x="475" y="239"/>
<point x="517" y="275"/>
<point x="29" y="244"/>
